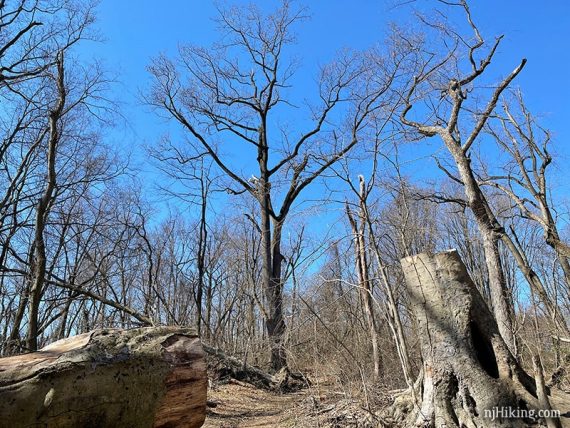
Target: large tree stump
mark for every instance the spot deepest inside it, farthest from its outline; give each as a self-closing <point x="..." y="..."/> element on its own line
<point x="146" y="377"/>
<point x="467" y="368"/>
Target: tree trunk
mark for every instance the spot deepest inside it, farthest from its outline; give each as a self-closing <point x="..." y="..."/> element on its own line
<point x="535" y="282"/>
<point x="542" y="392"/>
<point x="276" y="323"/>
<point x="38" y="266"/>
<point x="490" y="229"/>
<point x="468" y="371"/>
<point x="13" y="344"/>
<point x="201" y="261"/>
<point x="364" y="282"/>
<point x="146" y="377"/>
<point x="552" y="238"/>
<point x="501" y="301"/>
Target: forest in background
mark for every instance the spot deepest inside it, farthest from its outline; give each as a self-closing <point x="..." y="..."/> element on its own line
<point x="249" y="259"/>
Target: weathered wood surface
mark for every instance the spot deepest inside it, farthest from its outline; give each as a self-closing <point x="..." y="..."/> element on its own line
<point x="468" y="369"/>
<point x="146" y="377"/>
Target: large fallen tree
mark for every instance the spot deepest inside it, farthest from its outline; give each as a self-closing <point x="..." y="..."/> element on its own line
<point x="145" y="377"/>
<point x="225" y="367"/>
<point x="469" y="377"/>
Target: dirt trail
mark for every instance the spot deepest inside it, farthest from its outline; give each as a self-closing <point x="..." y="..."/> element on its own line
<point x="244" y="407"/>
<point x="248" y="407"/>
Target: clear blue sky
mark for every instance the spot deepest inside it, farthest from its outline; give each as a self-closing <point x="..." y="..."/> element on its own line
<point x="135" y="31"/>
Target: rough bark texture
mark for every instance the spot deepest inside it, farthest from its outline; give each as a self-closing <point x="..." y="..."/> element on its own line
<point x="467" y="367"/>
<point x="146" y="377"/>
<point x="491" y="231"/>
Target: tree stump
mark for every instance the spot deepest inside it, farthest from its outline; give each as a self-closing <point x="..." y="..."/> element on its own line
<point x="145" y="377"/>
<point x="468" y="371"/>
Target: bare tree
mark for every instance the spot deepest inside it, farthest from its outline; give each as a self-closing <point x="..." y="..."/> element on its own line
<point x="359" y="223"/>
<point x="430" y="72"/>
<point x="23" y="41"/>
<point x="39" y="257"/>
<point x="192" y="181"/>
<point x="235" y="91"/>
<point x="525" y="180"/>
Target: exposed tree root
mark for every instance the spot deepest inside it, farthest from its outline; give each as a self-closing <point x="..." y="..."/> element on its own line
<point x="469" y="377"/>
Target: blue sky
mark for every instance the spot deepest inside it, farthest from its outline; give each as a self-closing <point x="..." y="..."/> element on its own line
<point x="135" y="32"/>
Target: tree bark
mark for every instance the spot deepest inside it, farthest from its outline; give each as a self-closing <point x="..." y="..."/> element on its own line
<point x="146" y="377"/>
<point x="362" y="268"/>
<point x="38" y="266"/>
<point x="562" y="250"/>
<point x="201" y="255"/>
<point x="276" y="326"/>
<point x="468" y="370"/>
<point x="491" y="231"/>
<point x="542" y="392"/>
<point x="535" y="282"/>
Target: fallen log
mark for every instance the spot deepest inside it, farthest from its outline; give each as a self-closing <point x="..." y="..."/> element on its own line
<point x="237" y="369"/>
<point x="469" y="377"/>
<point x="145" y="377"/>
<point x="227" y="367"/>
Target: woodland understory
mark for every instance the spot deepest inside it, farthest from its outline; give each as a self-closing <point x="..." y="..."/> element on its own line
<point x="298" y="262"/>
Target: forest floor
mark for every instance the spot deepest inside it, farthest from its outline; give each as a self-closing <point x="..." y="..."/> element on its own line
<point x="242" y="406"/>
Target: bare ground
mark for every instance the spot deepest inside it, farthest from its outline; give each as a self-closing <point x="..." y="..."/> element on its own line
<point x="241" y="406"/>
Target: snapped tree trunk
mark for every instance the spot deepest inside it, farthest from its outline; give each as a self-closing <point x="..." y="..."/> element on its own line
<point x="362" y="268"/>
<point x="146" y="377"/>
<point x="468" y="370"/>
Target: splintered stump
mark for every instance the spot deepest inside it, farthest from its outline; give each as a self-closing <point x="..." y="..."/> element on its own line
<point x="146" y="377"/>
<point x="469" y="375"/>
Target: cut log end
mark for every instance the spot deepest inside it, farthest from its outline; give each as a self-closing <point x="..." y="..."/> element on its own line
<point x="147" y="377"/>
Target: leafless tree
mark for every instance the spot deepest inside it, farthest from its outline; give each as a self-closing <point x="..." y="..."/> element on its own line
<point x="525" y="180"/>
<point x="358" y="223"/>
<point x="39" y="257"/>
<point x="444" y="73"/>
<point x="235" y="91"/>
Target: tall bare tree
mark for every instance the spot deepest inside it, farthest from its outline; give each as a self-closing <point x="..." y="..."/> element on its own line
<point x="359" y="222"/>
<point x="235" y="92"/>
<point x="433" y="73"/>
<point x="42" y="211"/>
